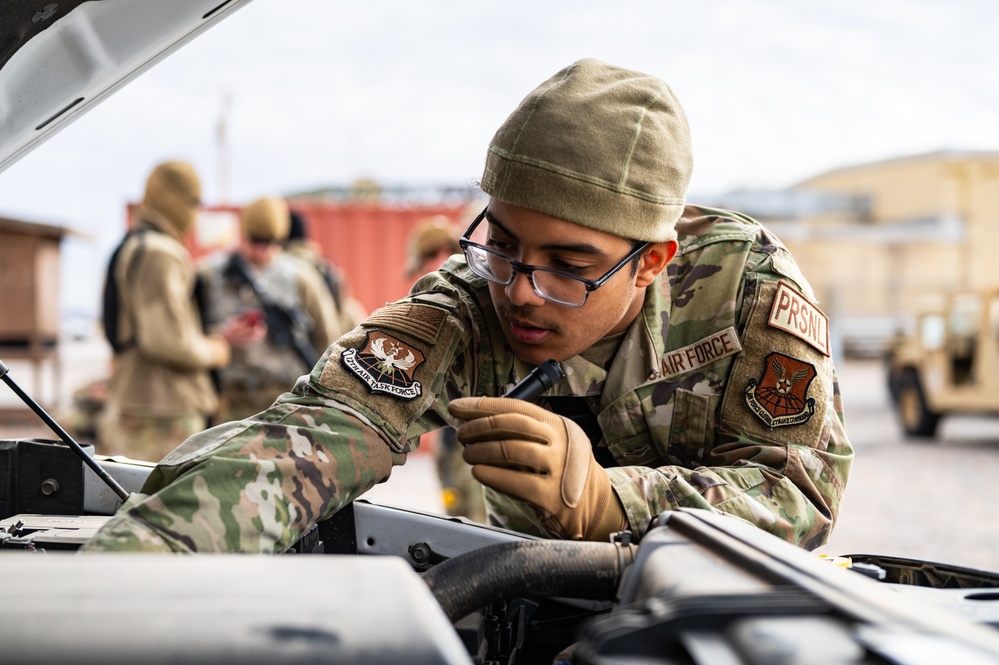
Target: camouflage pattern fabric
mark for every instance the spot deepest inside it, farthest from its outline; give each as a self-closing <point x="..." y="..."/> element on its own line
<point x="461" y="493"/>
<point x="259" y="372"/>
<point x="721" y="396"/>
<point x="82" y="419"/>
<point x="350" y="310"/>
<point x="148" y="438"/>
<point x="244" y="400"/>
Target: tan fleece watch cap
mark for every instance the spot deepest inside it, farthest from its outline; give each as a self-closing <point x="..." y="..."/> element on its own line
<point x="601" y="146"/>
<point x="267" y="218"/>
<point x="429" y="237"/>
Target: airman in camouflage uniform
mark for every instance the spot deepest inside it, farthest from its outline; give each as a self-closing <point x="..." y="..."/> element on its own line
<point x="709" y="385"/>
<point x="263" y="369"/>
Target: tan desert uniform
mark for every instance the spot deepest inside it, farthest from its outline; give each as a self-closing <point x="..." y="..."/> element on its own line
<point x="350" y="311"/>
<point x="160" y="391"/>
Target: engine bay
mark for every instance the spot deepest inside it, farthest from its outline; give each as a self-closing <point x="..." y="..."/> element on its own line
<point x="380" y="583"/>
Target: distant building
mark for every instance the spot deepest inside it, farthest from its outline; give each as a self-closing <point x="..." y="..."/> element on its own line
<point x="883" y="240"/>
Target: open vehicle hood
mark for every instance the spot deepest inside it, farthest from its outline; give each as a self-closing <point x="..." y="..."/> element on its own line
<point x="59" y="59"/>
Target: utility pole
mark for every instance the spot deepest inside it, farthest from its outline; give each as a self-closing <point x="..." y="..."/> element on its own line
<point x="222" y="141"/>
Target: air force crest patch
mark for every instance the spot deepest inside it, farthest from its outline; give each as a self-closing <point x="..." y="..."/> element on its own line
<point x="780" y="397"/>
<point x="386" y="365"/>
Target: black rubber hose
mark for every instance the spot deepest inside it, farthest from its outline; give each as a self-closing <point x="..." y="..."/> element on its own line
<point x="530" y="568"/>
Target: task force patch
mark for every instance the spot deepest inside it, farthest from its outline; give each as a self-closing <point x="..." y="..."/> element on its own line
<point x="780" y="397"/>
<point x="386" y="365"/>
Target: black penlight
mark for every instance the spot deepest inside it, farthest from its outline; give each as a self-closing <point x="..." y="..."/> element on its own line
<point x="62" y="434"/>
<point x="538" y="380"/>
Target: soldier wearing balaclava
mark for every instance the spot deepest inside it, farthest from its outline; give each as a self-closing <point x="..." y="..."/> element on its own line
<point x="160" y="390"/>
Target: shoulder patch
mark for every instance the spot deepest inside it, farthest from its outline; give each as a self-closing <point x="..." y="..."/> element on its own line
<point x="780" y="397"/>
<point x="780" y="387"/>
<point x="795" y="314"/>
<point x="421" y="321"/>
<point x="386" y="365"/>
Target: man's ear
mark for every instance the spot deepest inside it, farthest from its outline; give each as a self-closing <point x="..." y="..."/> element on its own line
<point x="654" y="260"/>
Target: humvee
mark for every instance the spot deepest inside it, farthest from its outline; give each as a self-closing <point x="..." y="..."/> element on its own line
<point x="383" y="584"/>
<point x="949" y="365"/>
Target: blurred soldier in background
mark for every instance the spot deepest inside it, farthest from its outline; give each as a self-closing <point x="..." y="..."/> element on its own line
<point x="287" y="302"/>
<point x="160" y="392"/>
<point x="431" y="242"/>
<point x="299" y="245"/>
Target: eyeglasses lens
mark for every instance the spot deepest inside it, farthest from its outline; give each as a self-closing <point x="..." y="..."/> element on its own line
<point x="556" y="288"/>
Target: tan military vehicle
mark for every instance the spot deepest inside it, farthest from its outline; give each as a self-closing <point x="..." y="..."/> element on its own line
<point x="950" y="365"/>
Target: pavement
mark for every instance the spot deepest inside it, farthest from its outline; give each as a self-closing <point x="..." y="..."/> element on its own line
<point x="926" y="499"/>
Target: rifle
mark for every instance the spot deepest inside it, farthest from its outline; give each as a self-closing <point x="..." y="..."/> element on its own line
<point x="286" y="326"/>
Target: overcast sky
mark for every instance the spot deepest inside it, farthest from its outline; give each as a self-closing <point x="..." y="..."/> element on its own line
<point x="410" y="92"/>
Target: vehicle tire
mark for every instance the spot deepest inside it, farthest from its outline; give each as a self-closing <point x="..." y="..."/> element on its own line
<point x="892" y="382"/>
<point x="916" y="418"/>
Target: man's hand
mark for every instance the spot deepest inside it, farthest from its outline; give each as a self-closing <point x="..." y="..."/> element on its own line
<point x="244" y="329"/>
<point x="539" y="457"/>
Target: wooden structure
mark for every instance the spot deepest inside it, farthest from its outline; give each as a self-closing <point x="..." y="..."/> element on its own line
<point x="29" y="295"/>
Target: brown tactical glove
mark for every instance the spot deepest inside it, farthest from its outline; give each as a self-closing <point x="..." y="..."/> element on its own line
<point x="534" y="455"/>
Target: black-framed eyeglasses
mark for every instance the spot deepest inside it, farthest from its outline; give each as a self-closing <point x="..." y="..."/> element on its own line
<point x="257" y="240"/>
<point x="554" y="286"/>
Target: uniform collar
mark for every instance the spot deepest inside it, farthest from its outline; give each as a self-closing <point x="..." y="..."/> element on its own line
<point x="153" y="219"/>
<point x="637" y="361"/>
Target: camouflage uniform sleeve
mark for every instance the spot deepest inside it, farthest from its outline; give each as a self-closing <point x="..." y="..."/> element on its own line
<point x="256" y="485"/>
<point x="251" y="486"/>
<point x="774" y="447"/>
